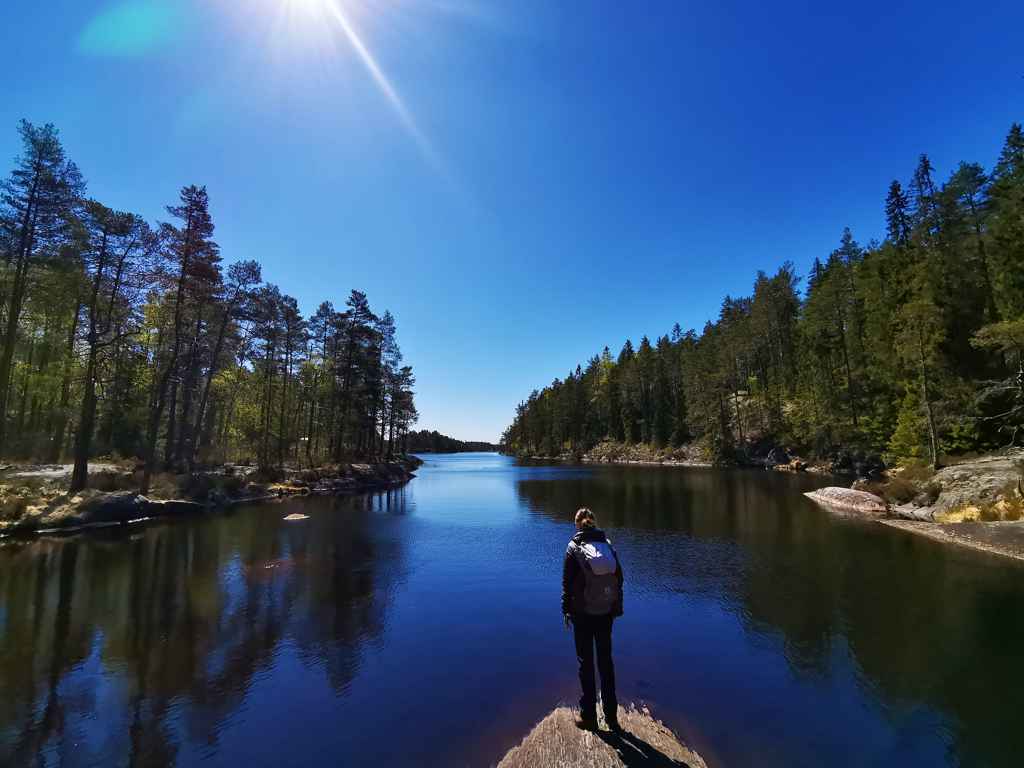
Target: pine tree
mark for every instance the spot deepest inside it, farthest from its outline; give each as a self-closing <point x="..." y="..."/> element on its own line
<point x="190" y="254"/>
<point x="116" y="243"/>
<point x="37" y="202"/>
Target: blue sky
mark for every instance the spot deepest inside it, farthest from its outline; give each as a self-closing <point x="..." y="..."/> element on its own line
<point x="544" y="178"/>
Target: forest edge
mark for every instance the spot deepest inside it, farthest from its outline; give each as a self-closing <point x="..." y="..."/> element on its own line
<point x="43" y="505"/>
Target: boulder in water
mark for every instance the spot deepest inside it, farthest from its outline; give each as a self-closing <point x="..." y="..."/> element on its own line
<point x="849" y="500"/>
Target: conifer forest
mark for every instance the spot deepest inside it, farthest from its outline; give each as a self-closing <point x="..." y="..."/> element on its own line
<point x="910" y="348"/>
<point x="127" y="338"/>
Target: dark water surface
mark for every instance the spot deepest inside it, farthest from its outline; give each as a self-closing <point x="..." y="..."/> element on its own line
<point x="421" y="627"/>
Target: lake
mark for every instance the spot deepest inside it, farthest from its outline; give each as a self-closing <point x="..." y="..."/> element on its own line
<point x="421" y="627"/>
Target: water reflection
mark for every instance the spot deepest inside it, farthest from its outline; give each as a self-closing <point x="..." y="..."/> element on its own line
<point x="421" y="628"/>
<point x="933" y="635"/>
<point x="130" y="648"/>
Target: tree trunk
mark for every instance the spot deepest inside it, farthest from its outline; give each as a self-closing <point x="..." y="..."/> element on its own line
<point x="310" y="426"/>
<point x="83" y="438"/>
<point x="172" y="363"/>
<point x="932" y="440"/>
<point x="24" y="387"/>
<point x="35" y="416"/>
<point x="26" y="242"/>
<point x="115" y="397"/>
<point x="186" y="435"/>
<point x="10" y="339"/>
<point x="283" y="419"/>
<point x="87" y="419"/>
<point x="57" y="447"/>
<point x="218" y="348"/>
<point x="155" y="415"/>
<point x="172" y="423"/>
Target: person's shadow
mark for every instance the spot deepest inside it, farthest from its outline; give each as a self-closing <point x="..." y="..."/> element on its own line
<point x="637" y="753"/>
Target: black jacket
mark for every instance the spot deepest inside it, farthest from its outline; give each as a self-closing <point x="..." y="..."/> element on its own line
<point x="572" y="575"/>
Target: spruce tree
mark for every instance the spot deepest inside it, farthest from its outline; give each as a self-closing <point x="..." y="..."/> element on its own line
<point x="1007" y="227"/>
<point x="896" y="215"/>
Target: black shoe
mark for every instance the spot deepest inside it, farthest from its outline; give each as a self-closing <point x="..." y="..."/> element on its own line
<point x="586" y="723"/>
<point x="613" y="724"/>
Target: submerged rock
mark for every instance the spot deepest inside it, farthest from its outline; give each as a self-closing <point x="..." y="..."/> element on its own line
<point x="643" y="741"/>
<point x="849" y="500"/>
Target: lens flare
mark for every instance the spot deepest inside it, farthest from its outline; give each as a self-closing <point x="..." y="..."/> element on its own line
<point x="131" y="28"/>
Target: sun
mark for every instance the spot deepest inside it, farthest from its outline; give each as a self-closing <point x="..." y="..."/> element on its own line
<point x="331" y="26"/>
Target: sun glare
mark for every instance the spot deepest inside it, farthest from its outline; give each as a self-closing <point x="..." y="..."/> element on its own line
<point x="308" y="6"/>
<point x="334" y="14"/>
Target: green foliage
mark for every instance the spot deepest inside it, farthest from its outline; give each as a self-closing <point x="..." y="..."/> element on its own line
<point x="892" y="347"/>
<point x="960" y="436"/>
<point x="123" y="338"/>
<point x="1006" y="337"/>
<point x="434" y="442"/>
<point x="910" y="438"/>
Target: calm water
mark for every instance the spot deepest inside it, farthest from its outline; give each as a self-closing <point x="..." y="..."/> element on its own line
<point x="422" y="627"/>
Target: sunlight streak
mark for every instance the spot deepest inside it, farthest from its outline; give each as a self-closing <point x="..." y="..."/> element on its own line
<point x="382" y="82"/>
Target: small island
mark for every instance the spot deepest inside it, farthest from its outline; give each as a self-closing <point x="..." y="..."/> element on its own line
<point x="424" y="441"/>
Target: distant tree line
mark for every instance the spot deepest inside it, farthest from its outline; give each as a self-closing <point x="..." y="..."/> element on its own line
<point x="119" y="337"/>
<point x="434" y="442"/>
<point x="911" y="347"/>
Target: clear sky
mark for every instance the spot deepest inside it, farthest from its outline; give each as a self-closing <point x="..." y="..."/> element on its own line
<point x="520" y="183"/>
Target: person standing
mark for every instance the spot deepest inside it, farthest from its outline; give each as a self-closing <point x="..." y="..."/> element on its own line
<point x="591" y="601"/>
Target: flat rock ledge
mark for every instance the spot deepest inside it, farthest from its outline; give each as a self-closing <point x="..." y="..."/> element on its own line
<point x="1005" y="539"/>
<point x="848" y="500"/>
<point x="556" y="741"/>
<point x="98" y="510"/>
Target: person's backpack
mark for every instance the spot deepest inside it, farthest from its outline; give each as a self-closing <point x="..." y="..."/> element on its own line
<point x="601" y="591"/>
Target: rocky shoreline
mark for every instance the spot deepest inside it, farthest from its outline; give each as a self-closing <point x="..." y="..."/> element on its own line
<point x="1005" y="539"/>
<point x="759" y="455"/>
<point x="643" y="741"/>
<point x="977" y="503"/>
<point x="49" y="509"/>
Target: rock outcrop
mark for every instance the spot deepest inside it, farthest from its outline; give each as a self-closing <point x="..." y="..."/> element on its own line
<point x="94" y="508"/>
<point x="643" y="743"/>
<point x="977" y="482"/>
<point x="849" y="500"/>
<point x="610" y="452"/>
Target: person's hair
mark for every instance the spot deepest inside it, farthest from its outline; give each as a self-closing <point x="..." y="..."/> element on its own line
<point x="585" y="518"/>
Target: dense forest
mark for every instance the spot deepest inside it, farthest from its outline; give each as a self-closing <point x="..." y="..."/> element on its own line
<point x="910" y="348"/>
<point x="119" y="337"/>
<point x="434" y="442"/>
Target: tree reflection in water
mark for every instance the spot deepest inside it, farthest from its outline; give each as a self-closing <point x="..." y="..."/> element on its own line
<point x="761" y="627"/>
<point x="128" y="647"/>
<point x="925" y="627"/>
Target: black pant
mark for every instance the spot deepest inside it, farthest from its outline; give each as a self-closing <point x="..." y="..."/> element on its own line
<point x="590" y="631"/>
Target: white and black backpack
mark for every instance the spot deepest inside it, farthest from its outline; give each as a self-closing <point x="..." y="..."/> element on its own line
<point x="601" y="591"/>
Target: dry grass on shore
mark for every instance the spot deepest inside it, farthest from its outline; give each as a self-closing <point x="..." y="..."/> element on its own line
<point x="556" y="742"/>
